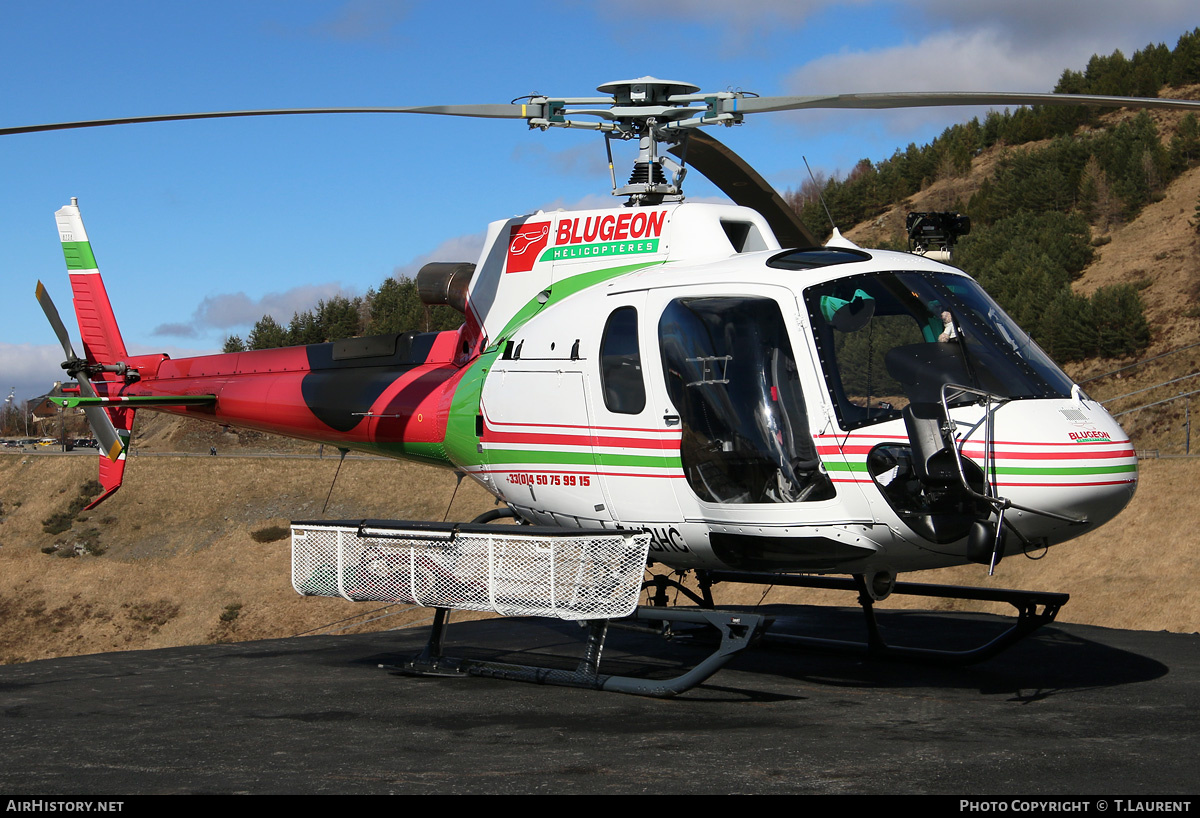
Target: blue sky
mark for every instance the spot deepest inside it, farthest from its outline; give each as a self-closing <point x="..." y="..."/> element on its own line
<point x="202" y="227"/>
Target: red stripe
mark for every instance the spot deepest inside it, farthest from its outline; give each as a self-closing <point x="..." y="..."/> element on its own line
<point x="847" y="449"/>
<point x="580" y="470"/>
<point x="490" y="435"/>
<point x="902" y="439"/>
<point x="1066" y="485"/>
<point x="488" y="421"/>
<point x="1018" y="485"/>
<point x="978" y="454"/>
<point x="1001" y="455"/>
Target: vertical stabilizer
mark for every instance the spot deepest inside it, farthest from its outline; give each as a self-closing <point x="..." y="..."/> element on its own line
<point x="102" y="346"/>
<point x="102" y="342"/>
<point x="112" y="469"/>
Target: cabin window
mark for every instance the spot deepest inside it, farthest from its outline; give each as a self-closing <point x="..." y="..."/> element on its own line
<point x="732" y="378"/>
<point x="621" y="364"/>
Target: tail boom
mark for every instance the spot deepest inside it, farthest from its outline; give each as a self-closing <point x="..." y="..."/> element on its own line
<point x="388" y="394"/>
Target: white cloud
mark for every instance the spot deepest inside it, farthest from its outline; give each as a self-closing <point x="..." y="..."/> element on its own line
<point x="373" y="22"/>
<point x="230" y="310"/>
<point x="1092" y="26"/>
<point x="979" y="60"/>
<point x="977" y="46"/>
<point x="738" y="26"/>
<point x="170" y="351"/>
<point x="30" y="369"/>
<point x="363" y="21"/>
<point x="459" y="248"/>
<point x="588" y="159"/>
<point x="592" y="201"/>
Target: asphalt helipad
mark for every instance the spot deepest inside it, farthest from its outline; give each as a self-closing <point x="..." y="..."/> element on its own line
<point x="1072" y="710"/>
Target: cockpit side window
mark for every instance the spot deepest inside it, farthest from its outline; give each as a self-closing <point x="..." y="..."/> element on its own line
<point x="621" y="364"/>
<point x="731" y="375"/>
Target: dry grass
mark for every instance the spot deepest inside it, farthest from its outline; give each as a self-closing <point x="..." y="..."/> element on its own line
<point x="180" y="555"/>
<point x="1134" y="574"/>
<point x="1158" y="251"/>
<point x="180" y="549"/>
<point x="182" y="567"/>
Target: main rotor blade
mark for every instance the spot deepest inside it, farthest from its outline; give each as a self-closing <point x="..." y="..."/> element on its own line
<point x="932" y="99"/>
<point x="502" y="111"/>
<point x="741" y="183"/>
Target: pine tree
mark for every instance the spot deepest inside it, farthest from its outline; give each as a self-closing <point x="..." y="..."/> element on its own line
<point x="267" y="334"/>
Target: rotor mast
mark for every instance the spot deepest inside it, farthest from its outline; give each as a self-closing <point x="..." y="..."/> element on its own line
<point x="649" y="183"/>
<point x="653" y="111"/>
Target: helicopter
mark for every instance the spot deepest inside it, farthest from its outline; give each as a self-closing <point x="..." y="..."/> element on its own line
<point x="697" y="385"/>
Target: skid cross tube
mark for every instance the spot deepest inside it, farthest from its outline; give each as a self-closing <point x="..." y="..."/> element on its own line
<point x="737" y="631"/>
<point x="1034" y="609"/>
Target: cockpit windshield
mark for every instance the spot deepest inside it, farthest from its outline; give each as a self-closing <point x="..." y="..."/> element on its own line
<point x="890" y="339"/>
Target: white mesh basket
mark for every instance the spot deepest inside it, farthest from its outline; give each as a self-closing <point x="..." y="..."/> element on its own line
<point x="509" y="570"/>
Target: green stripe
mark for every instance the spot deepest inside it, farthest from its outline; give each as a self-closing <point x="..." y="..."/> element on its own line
<point x="79" y="255"/>
<point x="567" y="287"/>
<point x="1068" y="470"/>
<point x="500" y="456"/>
<point x="839" y="465"/>
<point x="431" y="453"/>
<point x="140" y="400"/>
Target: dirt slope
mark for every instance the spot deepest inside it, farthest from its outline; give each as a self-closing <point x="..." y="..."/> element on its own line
<point x="178" y="548"/>
<point x="180" y="565"/>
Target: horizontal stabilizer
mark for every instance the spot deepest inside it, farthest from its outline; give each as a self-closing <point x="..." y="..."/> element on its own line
<point x="134" y="401"/>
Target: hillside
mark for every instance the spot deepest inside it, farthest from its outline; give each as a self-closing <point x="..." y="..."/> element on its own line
<point x="1158" y="252"/>
<point x="173" y="558"/>
<point x="178" y="548"/>
<point x="180" y="565"/>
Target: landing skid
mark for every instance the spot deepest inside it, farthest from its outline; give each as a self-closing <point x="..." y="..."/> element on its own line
<point x="737" y="631"/>
<point x="1034" y="609"/>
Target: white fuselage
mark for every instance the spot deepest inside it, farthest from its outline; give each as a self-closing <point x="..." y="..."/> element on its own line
<point x="655" y="377"/>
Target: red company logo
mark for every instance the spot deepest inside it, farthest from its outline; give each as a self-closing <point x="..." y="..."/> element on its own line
<point x="525" y="241"/>
<point x="636" y="224"/>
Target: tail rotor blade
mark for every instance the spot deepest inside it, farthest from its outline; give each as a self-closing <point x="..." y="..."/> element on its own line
<point x="102" y="425"/>
<point x="111" y="444"/>
<point x="52" y="315"/>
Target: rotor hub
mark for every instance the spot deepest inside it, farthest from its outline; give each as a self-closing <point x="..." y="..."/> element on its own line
<point x="646" y="90"/>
